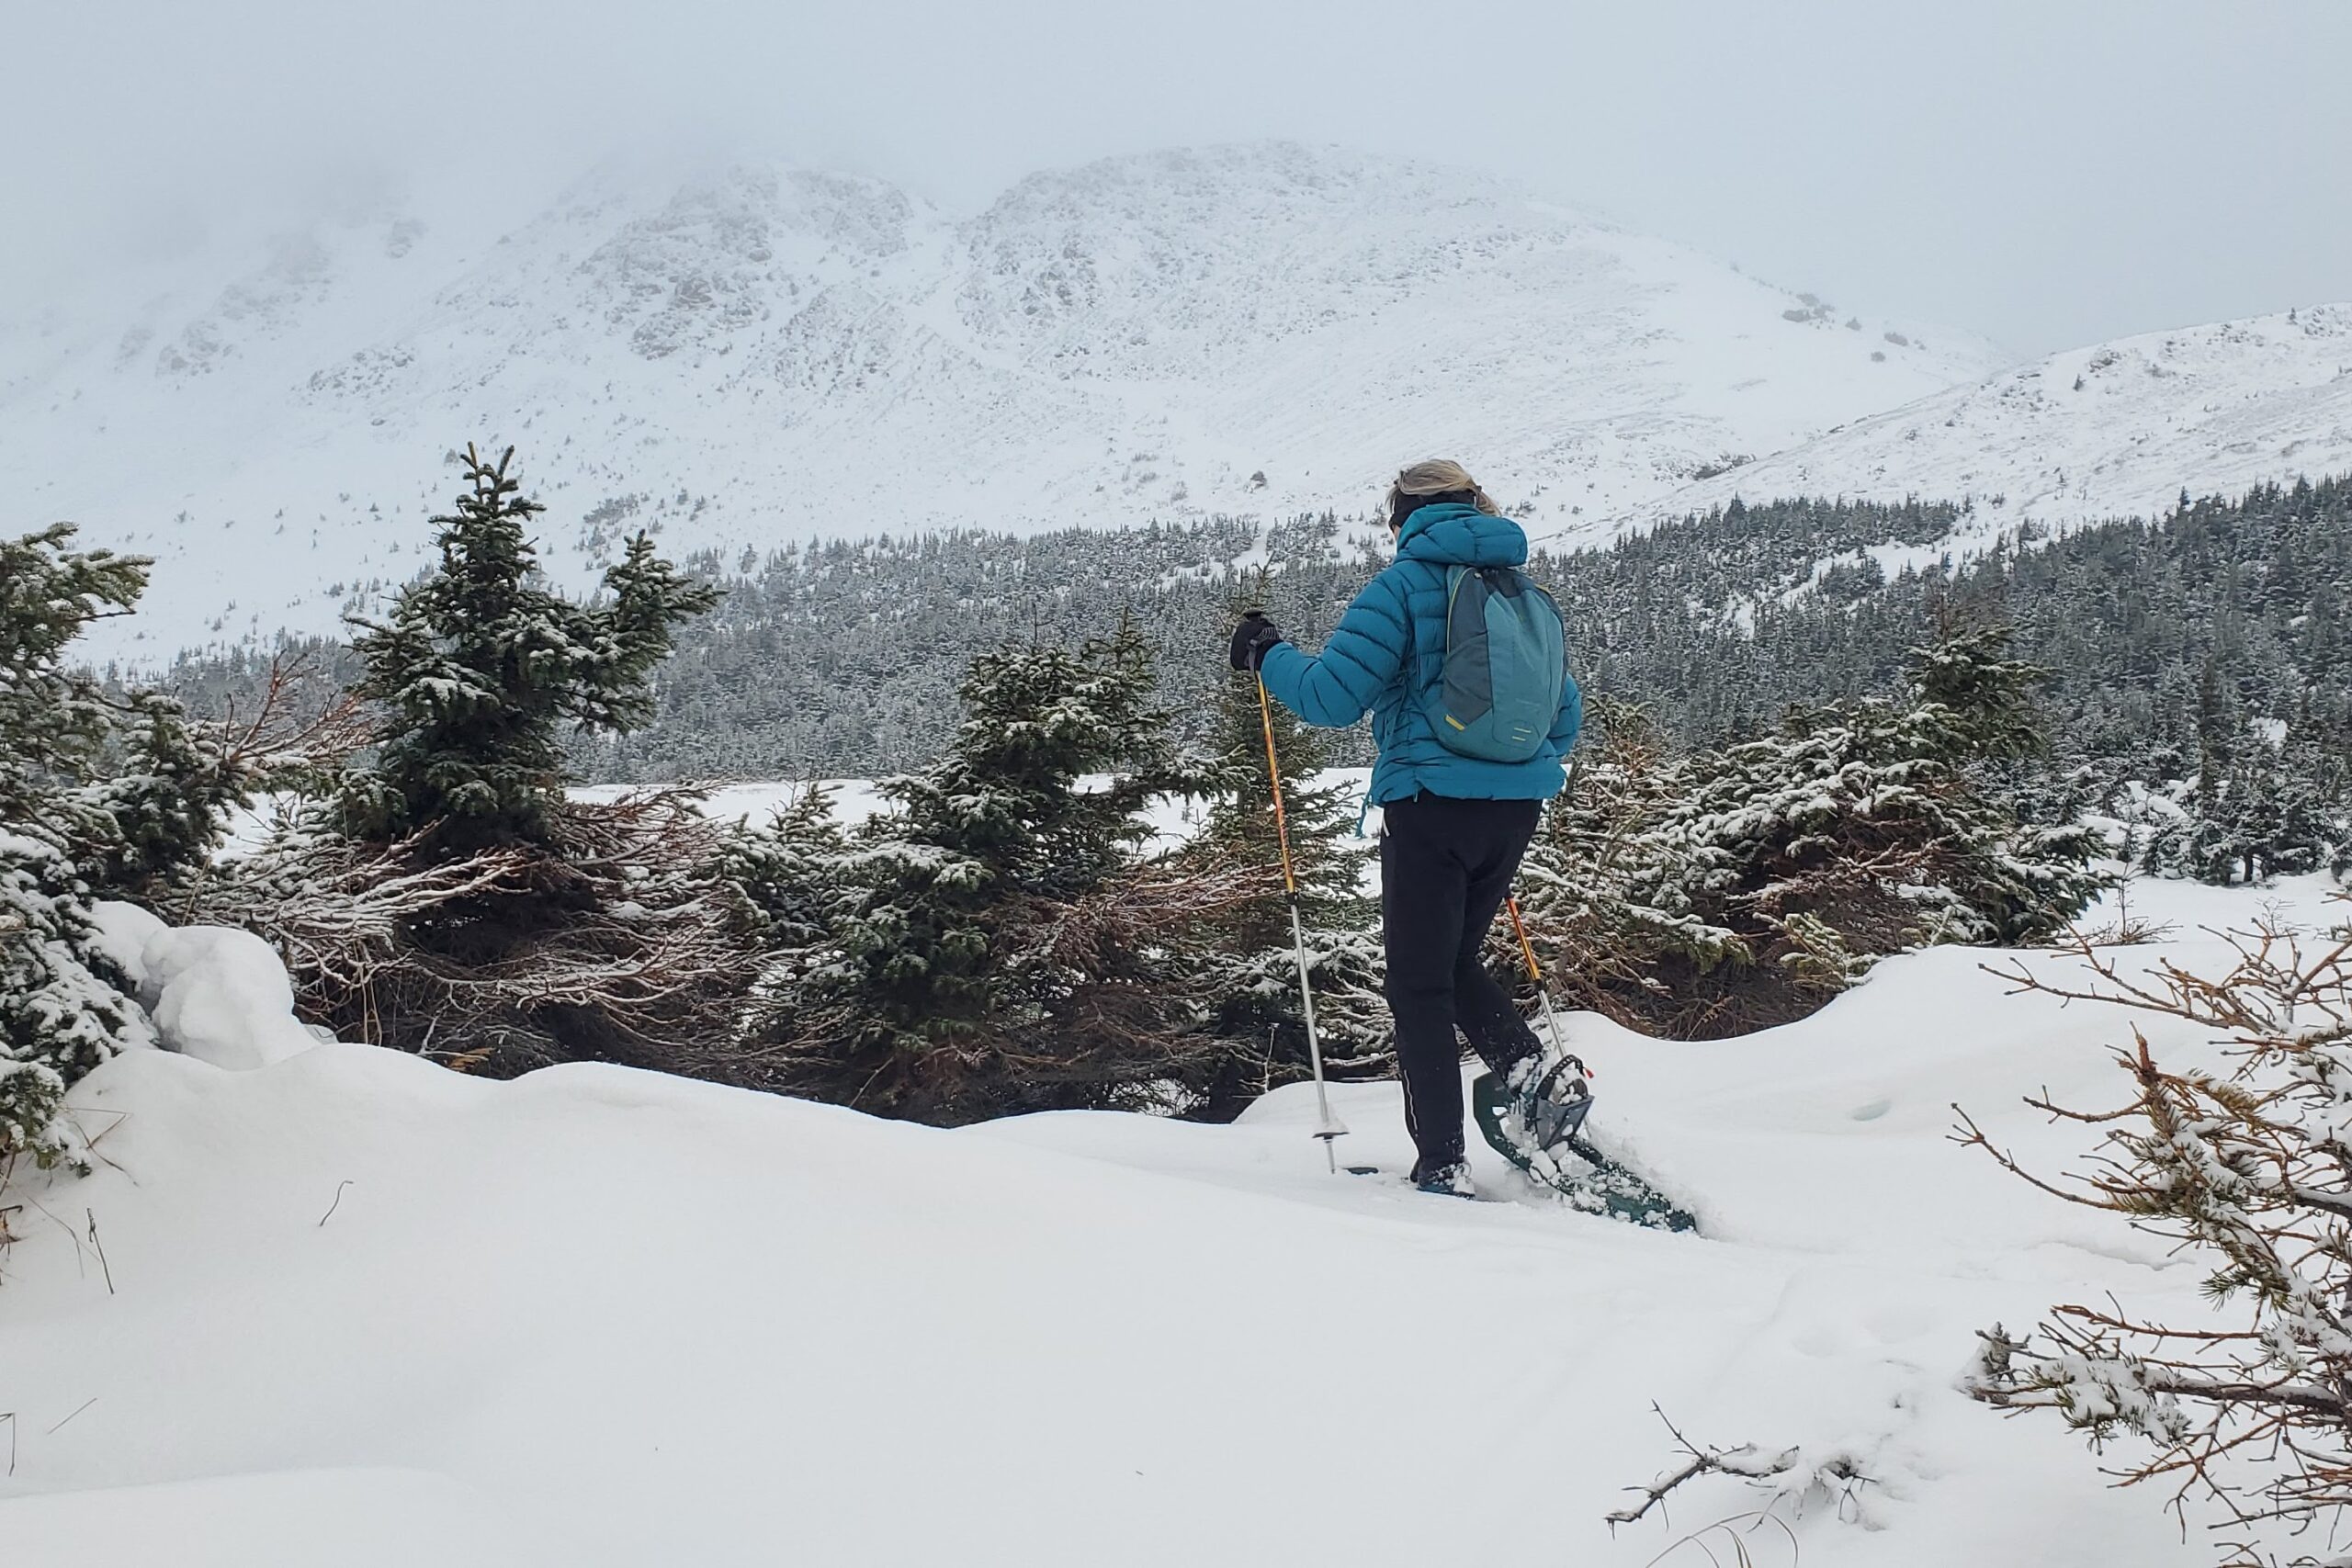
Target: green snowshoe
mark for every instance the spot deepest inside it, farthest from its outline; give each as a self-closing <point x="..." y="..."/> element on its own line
<point x="1540" y="1129"/>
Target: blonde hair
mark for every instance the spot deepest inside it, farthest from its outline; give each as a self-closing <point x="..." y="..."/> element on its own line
<point x="1438" y="476"/>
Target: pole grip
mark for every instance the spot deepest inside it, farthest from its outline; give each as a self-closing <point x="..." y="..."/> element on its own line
<point x="1526" y="948"/>
<point x="1274" y="777"/>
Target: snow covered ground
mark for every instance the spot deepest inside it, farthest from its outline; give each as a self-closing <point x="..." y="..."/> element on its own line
<point x="354" y="1309"/>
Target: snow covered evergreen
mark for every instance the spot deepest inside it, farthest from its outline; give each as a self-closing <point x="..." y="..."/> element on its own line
<point x="995" y="944"/>
<point x="439" y="893"/>
<point x="63" y="1007"/>
<point x="1713" y="892"/>
<point x="481" y="664"/>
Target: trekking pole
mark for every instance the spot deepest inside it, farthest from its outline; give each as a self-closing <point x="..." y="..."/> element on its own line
<point x="1534" y="973"/>
<point x="1326" y="1126"/>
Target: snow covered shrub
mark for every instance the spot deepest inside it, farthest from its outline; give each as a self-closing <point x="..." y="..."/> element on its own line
<point x="1247" y="978"/>
<point x="997" y="946"/>
<point x="2249" y="1170"/>
<point x="619" y="940"/>
<point x="103" y="793"/>
<point x="1704" y="893"/>
<point x="445" y="897"/>
<point x="64" y="1009"/>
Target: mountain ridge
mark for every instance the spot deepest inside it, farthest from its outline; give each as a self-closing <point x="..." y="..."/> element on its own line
<point x="754" y="355"/>
<point x="2108" y="430"/>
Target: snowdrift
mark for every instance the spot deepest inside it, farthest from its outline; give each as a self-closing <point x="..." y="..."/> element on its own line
<point x="349" y="1308"/>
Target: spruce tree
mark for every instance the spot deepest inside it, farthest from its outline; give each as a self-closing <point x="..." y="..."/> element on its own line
<point x="63" y="1007"/>
<point x="505" y="927"/>
<point x="998" y="946"/>
<point x="480" y="667"/>
<point x="787" y="869"/>
<point x="1984" y="701"/>
<point x="1713" y="892"/>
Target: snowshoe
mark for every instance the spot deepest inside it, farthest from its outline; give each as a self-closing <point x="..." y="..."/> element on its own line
<point x="1465" y="1191"/>
<point x="1539" y="1128"/>
<point x="1447" y="1181"/>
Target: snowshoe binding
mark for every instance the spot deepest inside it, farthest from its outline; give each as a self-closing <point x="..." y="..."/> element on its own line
<point x="1446" y="1182"/>
<point x="1536" y="1121"/>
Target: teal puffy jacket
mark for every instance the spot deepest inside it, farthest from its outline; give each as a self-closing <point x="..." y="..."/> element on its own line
<point x="1362" y="668"/>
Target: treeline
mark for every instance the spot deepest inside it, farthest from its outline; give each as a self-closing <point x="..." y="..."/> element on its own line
<point x="2199" y="664"/>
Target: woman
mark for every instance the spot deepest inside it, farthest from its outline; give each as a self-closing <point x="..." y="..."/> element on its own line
<point x="1454" y="826"/>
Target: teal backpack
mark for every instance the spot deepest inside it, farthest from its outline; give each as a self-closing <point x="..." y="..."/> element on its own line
<point x="1497" y="692"/>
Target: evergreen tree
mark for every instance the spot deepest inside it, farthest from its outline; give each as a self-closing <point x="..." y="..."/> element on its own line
<point x="1710" y="893"/>
<point x="450" y="899"/>
<point x="481" y="665"/>
<point x="2269" y="811"/>
<point x="1984" y="702"/>
<point x="63" y="1007"/>
<point x="787" y="869"/>
<point x="999" y="947"/>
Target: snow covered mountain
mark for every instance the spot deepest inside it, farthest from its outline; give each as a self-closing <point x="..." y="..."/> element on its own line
<point x="747" y="356"/>
<point x="2117" y="428"/>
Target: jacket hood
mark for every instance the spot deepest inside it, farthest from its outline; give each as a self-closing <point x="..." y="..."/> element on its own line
<point x="1452" y="534"/>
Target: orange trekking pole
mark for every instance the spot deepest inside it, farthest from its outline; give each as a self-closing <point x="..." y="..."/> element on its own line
<point x="1326" y="1126"/>
<point x="1536" y="973"/>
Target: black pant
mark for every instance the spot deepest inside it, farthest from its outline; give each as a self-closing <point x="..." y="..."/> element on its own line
<point x="1446" y="867"/>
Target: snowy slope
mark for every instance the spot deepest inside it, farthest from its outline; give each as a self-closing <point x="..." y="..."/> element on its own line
<point x="365" y="1311"/>
<point x="2115" y="430"/>
<point x="741" y="357"/>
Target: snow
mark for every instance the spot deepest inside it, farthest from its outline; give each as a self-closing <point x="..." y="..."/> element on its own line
<point x="745" y="355"/>
<point x="2112" y="430"/>
<point x="348" y="1518"/>
<point x="221" y="996"/>
<point x="364" y="1310"/>
<point x="757" y="803"/>
<point x="214" y="993"/>
<point x="123" y="932"/>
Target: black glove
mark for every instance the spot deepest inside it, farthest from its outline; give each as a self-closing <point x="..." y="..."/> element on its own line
<point x="1252" y="638"/>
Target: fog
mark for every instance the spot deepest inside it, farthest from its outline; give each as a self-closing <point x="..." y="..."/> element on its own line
<point x="2043" y="173"/>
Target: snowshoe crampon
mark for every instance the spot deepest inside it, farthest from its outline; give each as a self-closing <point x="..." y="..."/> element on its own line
<point x="1541" y="1131"/>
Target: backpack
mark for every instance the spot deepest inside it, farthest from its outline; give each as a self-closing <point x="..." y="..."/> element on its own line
<point x="1505" y="668"/>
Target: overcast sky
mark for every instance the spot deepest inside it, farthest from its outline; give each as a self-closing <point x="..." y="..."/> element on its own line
<point x="2044" y="172"/>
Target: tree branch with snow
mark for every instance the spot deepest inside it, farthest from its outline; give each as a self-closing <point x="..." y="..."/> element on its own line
<point x="2249" y="1169"/>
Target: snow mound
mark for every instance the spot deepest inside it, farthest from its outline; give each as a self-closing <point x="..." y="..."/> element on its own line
<point x="615" y="1318"/>
<point x="222" y="995"/>
<point x="214" y="993"/>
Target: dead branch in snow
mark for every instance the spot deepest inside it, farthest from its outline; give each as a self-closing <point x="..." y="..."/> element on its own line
<point x="1838" y="1474"/>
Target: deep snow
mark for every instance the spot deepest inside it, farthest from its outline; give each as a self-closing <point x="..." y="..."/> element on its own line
<point x="364" y="1310"/>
